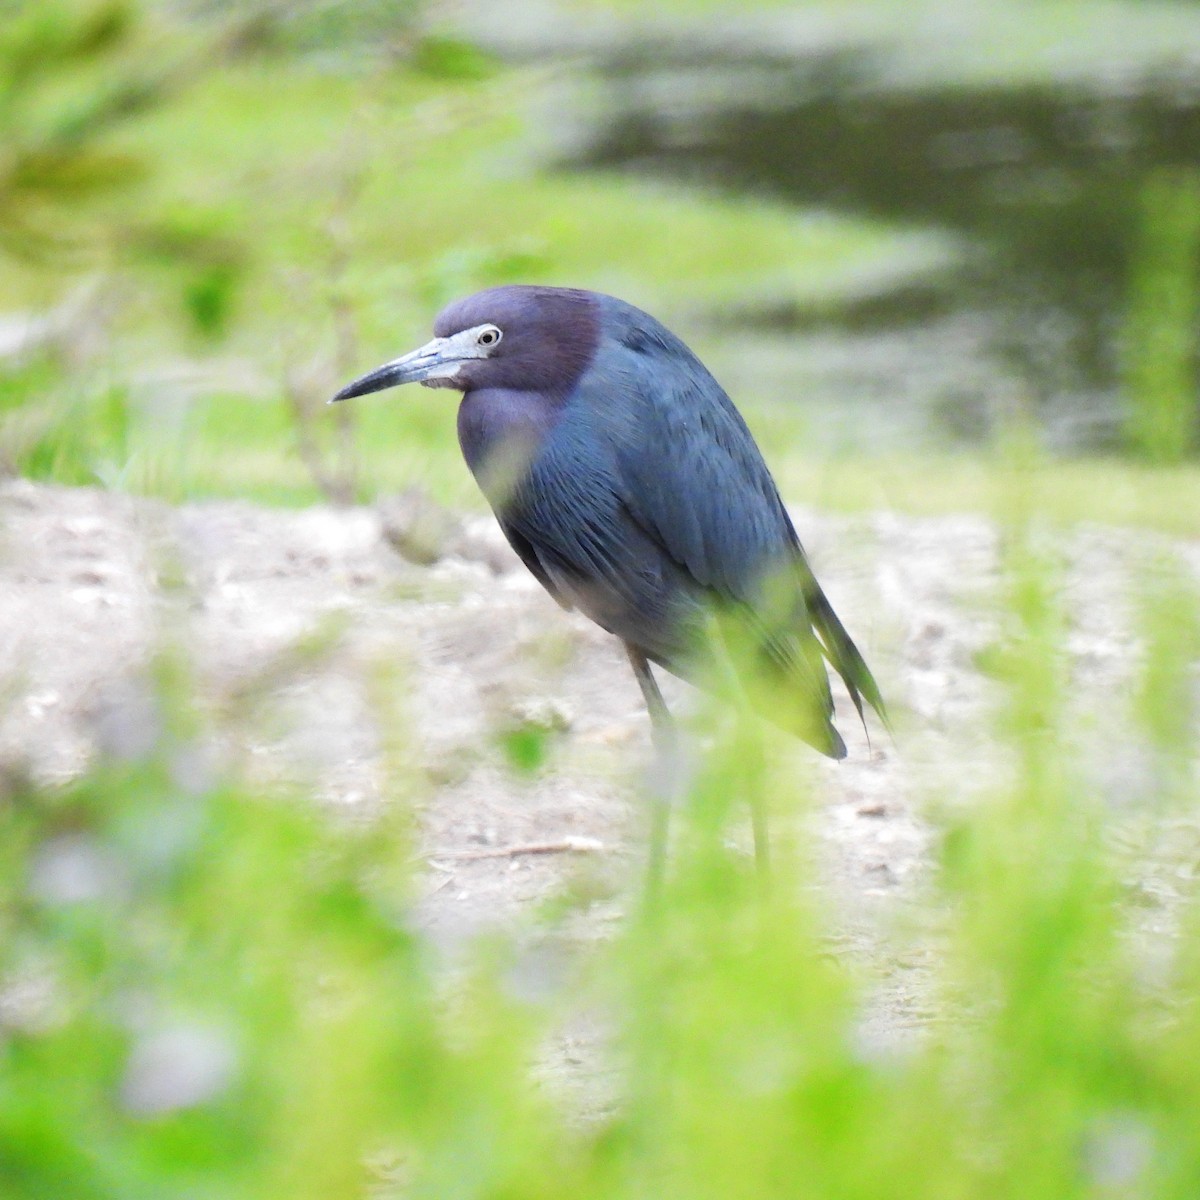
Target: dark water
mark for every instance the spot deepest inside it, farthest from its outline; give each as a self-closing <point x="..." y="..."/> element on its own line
<point x="1043" y="185"/>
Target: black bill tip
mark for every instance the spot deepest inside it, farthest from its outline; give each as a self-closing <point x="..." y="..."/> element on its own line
<point x="387" y="376"/>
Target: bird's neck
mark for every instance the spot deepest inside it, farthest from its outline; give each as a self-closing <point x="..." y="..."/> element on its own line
<point x="501" y="431"/>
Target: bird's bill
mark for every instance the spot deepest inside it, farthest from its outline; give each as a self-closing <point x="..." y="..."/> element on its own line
<point x="424" y="363"/>
<point x="439" y="359"/>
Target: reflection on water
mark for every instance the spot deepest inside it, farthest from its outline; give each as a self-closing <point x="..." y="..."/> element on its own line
<point x="1044" y="184"/>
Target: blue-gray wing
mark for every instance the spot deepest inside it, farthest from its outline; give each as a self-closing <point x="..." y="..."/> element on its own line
<point x="691" y="469"/>
<point x="571" y="525"/>
<point x="697" y="483"/>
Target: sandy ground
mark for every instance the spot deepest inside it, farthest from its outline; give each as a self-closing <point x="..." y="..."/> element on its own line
<point x="313" y="623"/>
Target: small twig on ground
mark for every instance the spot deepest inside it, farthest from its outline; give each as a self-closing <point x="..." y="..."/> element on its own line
<point x="567" y="845"/>
<point x="444" y="882"/>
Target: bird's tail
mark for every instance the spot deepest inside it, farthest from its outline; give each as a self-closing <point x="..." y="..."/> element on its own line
<point x="844" y="656"/>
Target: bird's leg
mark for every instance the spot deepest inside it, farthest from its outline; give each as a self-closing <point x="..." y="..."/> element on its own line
<point x="667" y="772"/>
<point x="746" y="718"/>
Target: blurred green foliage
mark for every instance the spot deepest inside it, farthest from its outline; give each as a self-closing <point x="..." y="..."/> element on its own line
<point x="209" y="991"/>
<point x="76" y="77"/>
<point x="65" y="85"/>
<point x="525" y="747"/>
<point x="52" y="433"/>
<point x="1162" y="359"/>
<point x="330" y="25"/>
<point x="266" y="199"/>
<point x="292" y="211"/>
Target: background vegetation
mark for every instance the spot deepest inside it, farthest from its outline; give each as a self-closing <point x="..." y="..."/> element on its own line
<point x="210" y="215"/>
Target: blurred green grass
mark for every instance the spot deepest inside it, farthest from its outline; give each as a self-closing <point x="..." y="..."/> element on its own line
<point x="210" y="991"/>
<point x="358" y="193"/>
<point x="393" y="193"/>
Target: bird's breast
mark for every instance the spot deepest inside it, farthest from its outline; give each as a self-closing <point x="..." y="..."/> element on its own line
<point x="501" y="431"/>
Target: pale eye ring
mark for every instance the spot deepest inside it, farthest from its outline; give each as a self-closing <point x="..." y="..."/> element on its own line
<point x="489" y="336"/>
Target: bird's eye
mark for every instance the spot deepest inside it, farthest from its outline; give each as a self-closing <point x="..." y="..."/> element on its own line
<point x="489" y="335"/>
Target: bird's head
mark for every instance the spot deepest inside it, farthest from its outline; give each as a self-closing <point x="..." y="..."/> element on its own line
<point x="523" y="338"/>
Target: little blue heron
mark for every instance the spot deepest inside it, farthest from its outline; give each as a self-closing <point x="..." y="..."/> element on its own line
<point x="629" y="484"/>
